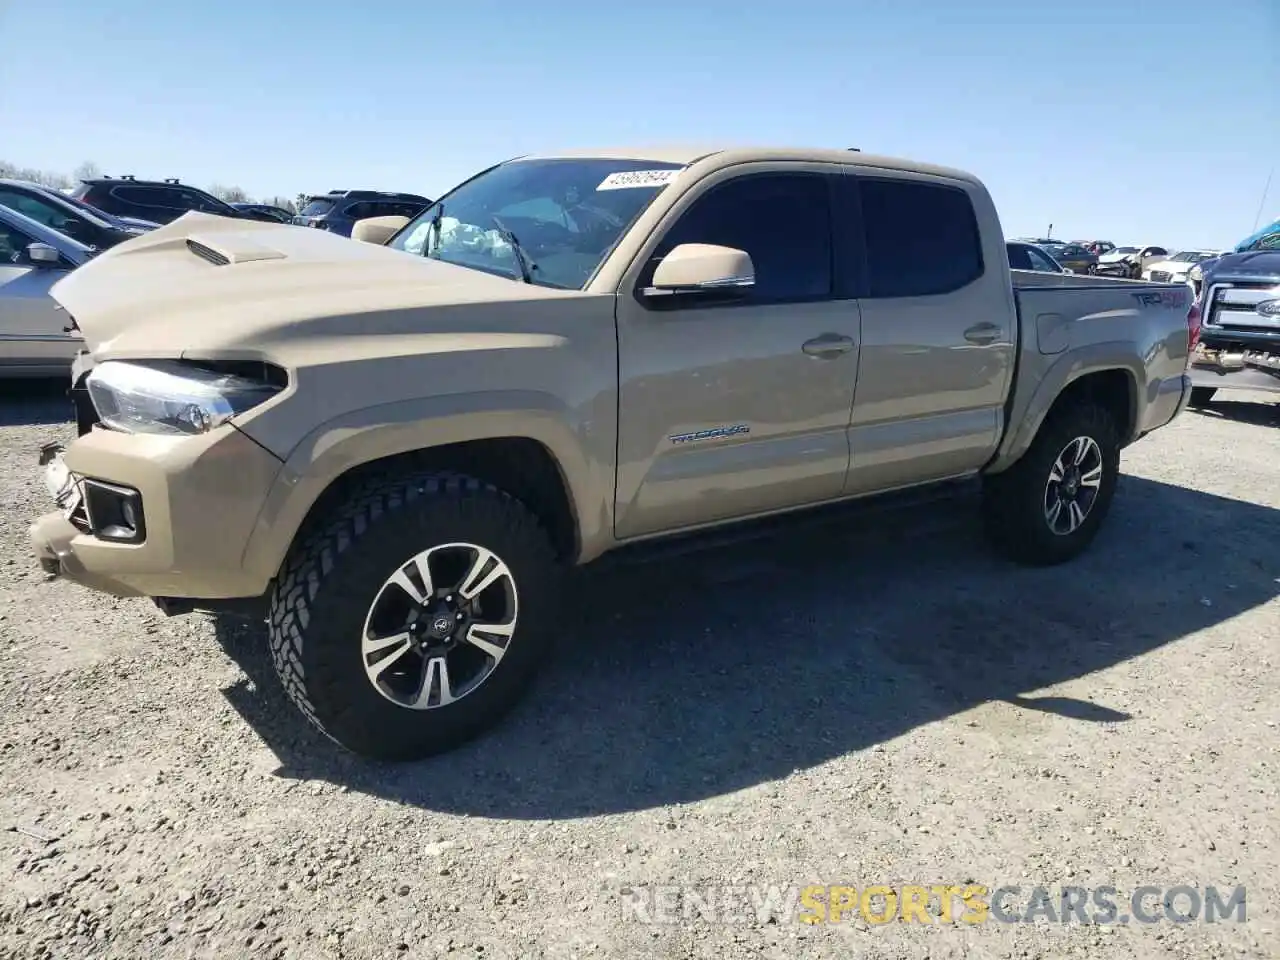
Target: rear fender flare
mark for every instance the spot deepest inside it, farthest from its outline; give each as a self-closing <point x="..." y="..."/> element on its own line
<point x="1027" y="418"/>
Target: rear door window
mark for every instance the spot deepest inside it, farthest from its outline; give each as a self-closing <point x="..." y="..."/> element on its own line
<point x="317" y="207"/>
<point x="1040" y="262"/>
<point x="922" y="238"/>
<point x="1019" y="257"/>
<point x="162" y="198"/>
<point x="361" y="209"/>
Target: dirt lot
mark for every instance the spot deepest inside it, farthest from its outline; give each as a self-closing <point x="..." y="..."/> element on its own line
<point x="872" y="703"/>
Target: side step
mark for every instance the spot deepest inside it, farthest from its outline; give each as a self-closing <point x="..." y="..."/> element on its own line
<point x="793" y="522"/>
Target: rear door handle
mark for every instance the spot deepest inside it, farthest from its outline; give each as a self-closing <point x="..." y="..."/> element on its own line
<point x="828" y="346"/>
<point x="982" y="333"/>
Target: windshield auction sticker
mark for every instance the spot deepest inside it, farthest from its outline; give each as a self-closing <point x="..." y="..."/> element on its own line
<point x="637" y="178"/>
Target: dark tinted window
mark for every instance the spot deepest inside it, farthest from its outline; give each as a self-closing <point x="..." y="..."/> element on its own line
<point x="194" y="200"/>
<point x="399" y="208"/>
<point x="922" y="238"/>
<point x="782" y="220"/>
<point x="1019" y="257"/>
<point x="316" y="207"/>
<point x="37" y="208"/>
<point x="1040" y="262"/>
<point x="148" y="196"/>
<point x="13" y="245"/>
<point x="362" y="209"/>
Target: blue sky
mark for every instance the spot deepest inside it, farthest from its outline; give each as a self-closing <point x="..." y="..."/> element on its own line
<point x="1138" y="121"/>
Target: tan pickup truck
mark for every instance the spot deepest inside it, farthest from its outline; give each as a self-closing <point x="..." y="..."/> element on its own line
<point x="394" y="449"/>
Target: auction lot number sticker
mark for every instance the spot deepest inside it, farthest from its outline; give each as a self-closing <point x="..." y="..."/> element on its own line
<point x="629" y="179"/>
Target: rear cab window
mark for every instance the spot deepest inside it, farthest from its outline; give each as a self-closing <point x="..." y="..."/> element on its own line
<point x="1019" y="257"/>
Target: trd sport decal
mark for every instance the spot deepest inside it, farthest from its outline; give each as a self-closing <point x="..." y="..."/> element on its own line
<point x="715" y="433"/>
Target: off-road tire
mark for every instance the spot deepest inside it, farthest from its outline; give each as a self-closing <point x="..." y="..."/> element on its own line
<point x="1201" y="396"/>
<point x="333" y="574"/>
<point x="1013" y="501"/>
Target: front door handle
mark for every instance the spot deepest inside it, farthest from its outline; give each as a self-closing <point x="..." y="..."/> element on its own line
<point x="828" y="346"/>
<point x="982" y="333"/>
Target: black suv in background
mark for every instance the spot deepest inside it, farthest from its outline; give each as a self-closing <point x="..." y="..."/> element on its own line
<point x="162" y="201"/>
<point x="57" y="211"/>
<point x="338" y="210"/>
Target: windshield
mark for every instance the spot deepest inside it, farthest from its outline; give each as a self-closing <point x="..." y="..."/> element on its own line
<point x="1125" y="250"/>
<point x="317" y="207"/>
<point x="1270" y="241"/>
<point x="1189" y="256"/>
<point x="565" y="214"/>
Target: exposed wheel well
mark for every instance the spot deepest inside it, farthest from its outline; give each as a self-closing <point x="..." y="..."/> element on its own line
<point x="519" y="466"/>
<point x="1112" y="390"/>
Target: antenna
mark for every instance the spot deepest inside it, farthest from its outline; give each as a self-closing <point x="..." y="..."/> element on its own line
<point x="1263" y="202"/>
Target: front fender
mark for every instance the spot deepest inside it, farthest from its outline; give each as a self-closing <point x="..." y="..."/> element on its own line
<point x="387" y="430"/>
<point x="1037" y="390"/>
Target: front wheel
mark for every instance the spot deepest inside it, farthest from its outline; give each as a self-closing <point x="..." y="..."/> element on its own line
<point x="416" y="616"/>
<point x="1047" y="508"/>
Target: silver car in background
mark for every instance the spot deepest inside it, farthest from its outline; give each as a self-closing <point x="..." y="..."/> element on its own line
<point x="34" y="341"/>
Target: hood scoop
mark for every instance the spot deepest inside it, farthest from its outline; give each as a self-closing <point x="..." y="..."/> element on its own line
<point x="224" y="251"/>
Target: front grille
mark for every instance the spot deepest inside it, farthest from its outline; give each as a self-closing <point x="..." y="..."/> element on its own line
<point x="1161" y="276"/>
<point x="1232" y="305"/>
<point x="207" y="253"/>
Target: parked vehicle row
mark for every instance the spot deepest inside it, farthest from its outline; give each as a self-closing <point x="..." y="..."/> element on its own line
<point x="339" y="210"/>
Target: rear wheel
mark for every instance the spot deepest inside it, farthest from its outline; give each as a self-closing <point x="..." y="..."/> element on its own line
<point x="416" y="617"/>
<point x="1200" y="396"/>
<point x="1048" y="507"/>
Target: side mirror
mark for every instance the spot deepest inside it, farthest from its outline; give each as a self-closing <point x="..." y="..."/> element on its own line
<point x="41" y="254"/>
<point x="377" y="229"/>
<point x="703" y="268"/>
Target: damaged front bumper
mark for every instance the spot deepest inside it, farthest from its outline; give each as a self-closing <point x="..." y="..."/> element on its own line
<point x="52" y="535"/>
<point x="1235" y="368"/>
<point x="155" y="515"/>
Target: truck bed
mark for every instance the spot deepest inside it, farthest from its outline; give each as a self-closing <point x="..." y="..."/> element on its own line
<point x="1066" y="319"/>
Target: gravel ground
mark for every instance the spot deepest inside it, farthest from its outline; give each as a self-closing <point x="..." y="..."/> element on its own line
<point x="873" y="702"/>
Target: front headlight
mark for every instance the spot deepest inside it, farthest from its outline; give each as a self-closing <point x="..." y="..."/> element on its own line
<point x="1195" y="272"/>
<point x="173" y="397"/>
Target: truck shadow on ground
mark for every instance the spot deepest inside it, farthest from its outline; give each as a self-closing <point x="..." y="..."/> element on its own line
<point x="35" y="401"/>
<point x="1256" y="414"/>
<point x="724" y="669"/>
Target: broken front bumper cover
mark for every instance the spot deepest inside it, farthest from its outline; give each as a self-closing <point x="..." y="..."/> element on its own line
<point x="52" y="534"/>
<point x="1235" y="369"/>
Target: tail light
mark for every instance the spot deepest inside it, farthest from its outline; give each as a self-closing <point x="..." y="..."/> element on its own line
<point x="1193" y="325"/>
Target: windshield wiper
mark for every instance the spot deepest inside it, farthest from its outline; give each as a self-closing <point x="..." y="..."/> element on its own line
<point x="527" y="266"/>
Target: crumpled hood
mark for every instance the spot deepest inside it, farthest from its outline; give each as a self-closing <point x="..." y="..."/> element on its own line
<point x="205" y="281"/>
<point x="1114" y="257"/>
